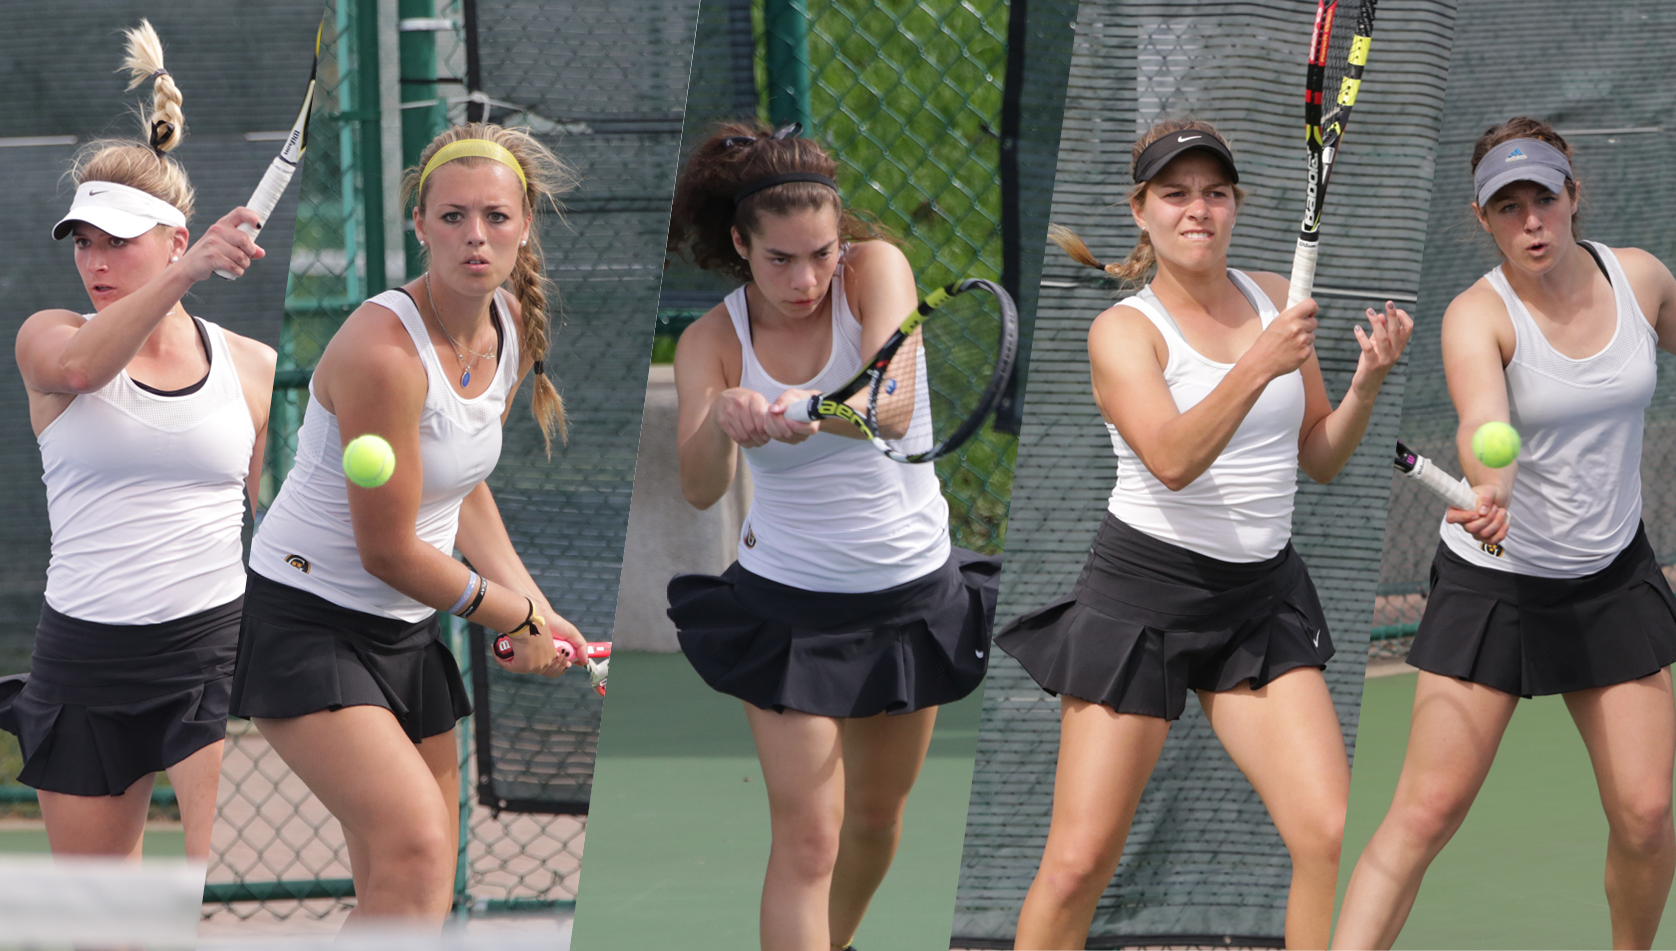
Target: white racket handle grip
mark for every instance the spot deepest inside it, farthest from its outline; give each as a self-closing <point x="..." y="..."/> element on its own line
<point x="803" y="411"/>
<point x="1443" y="485"/>
<point x="1303" y="271"/>
<point x="264" y="199"/>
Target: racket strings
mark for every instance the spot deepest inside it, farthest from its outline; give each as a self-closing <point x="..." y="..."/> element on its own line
<point x="939" y="379"/>
<point x="1342" y="59"/>
<point x="1339" y="41"/>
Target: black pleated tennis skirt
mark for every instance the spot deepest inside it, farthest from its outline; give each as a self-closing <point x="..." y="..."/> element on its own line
<point x="106" y="704"/>
<point x="1148" y="621"/>
<point x="300" y="654"/>
<point x="916" y="645"/>
<point x="1537" y="636"/>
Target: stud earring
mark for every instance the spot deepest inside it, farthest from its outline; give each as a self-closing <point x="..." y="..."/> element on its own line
<point x="524" y="243"/>
<point x="174" y="259"/>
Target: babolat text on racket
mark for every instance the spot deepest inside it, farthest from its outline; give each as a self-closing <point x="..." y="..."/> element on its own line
<point x="598" y="658"/>
<point x="1441" y="484"/>
<point x="284" y="165"/>
<point x="936" y="380"/>
<point x="1337" y="52"/>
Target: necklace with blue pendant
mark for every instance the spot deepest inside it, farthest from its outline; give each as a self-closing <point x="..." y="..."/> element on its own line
<point x="465" y="368"/>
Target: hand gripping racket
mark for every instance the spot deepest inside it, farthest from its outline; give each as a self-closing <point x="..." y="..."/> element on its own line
<point x="598" y="658"/>
<point x="936" y="380"/>
<point x="1441" y="484"/>
<point x="1337" y="52"/>
<point x="284" y="165"/>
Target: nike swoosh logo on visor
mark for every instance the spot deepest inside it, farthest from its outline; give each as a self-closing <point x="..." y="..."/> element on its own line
<point x="1187" y="138"/>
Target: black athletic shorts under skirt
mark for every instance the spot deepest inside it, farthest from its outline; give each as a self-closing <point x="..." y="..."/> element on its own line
<point x="106" y="704"/>
<point x="1148" y="621"/>
<point x="919" y="644"/>
<point x="300" y="654"/>
<point x="1534" y="636"/>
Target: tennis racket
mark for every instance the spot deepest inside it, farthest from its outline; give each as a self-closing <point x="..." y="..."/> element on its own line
<point x="936" y="380"/>
<point x="284" y="165"/>
<point x="598" y="658"/>
<point x="1441" y="484"/>
<point x="1337" y="52"/>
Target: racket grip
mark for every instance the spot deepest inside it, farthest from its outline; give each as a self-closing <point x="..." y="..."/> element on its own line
<point x="503" y="644"/>
<point x="264" y="199"/>
<point x="803" y="412"/>
<point x="1442" y="485"/>
<point x="1303" y="271"/>
<point x="503" y="647"/>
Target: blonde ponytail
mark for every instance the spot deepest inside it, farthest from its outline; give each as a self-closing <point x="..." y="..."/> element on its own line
<point x="1131" y="271"/>
<point x="126" y="162"/>
<point x="166" y="125"/>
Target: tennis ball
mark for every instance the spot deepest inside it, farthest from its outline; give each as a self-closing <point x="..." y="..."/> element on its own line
<point x="368" y="461"/>
<point x="1496" y="444"/>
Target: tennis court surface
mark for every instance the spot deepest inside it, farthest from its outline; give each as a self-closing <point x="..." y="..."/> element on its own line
<point x="679" y="823"/>
<point x="1525" y="871"/>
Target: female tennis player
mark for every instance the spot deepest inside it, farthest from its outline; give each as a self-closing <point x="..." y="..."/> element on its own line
<point x="1213" y="399"/>
<point x="151" y="425"/>
<point x="1558" y="340"/>
<point x="340" y="662"/>
<point x="848" y="617"/>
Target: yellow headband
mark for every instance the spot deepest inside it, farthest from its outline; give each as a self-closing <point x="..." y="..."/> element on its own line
<point x="470" y="148"/>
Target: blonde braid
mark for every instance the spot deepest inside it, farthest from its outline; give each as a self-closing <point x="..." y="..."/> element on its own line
<point x="529" y="285"/>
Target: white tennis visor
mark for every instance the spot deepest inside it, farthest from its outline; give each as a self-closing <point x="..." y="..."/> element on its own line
<point x="117" y="210"/>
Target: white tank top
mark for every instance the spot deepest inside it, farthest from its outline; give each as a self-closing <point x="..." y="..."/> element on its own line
<point x="1577" y="494"/>
<point x="1240" y="509"/>
<point x="146" y="496"/>
<point x="306" y="540"/>
<point x="830" y="513"/>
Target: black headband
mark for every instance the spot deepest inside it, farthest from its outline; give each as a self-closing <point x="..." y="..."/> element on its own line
<point x="787" y="178"/>
<point x="1160" y="153"/>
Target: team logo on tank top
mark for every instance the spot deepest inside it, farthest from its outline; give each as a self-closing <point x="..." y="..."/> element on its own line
<point x="298" y="562"/>
<point x="750" y="536"/>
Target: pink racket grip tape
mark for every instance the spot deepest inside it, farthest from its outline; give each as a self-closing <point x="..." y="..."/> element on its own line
<point x="597" y="650"/>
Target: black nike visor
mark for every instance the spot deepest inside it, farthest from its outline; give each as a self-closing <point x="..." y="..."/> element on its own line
<point x="1162" y="152"/>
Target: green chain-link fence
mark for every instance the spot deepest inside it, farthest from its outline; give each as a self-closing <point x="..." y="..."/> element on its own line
<point x="907" y="97"/>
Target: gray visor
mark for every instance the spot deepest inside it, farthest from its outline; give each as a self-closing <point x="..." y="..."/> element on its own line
<point x="1520" y="160"/>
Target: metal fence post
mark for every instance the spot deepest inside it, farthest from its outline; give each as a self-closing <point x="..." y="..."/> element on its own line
<point x="424" y="114"/>
<point x="786" y="23"/>
<point x="370" y="118"/>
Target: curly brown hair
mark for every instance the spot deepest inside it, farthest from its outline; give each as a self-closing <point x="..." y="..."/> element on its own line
<point x="735" y="155"/>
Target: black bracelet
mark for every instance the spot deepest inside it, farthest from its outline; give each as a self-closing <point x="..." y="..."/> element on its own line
<point x="529" y="616"/>
<point x="482" y="589"/>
